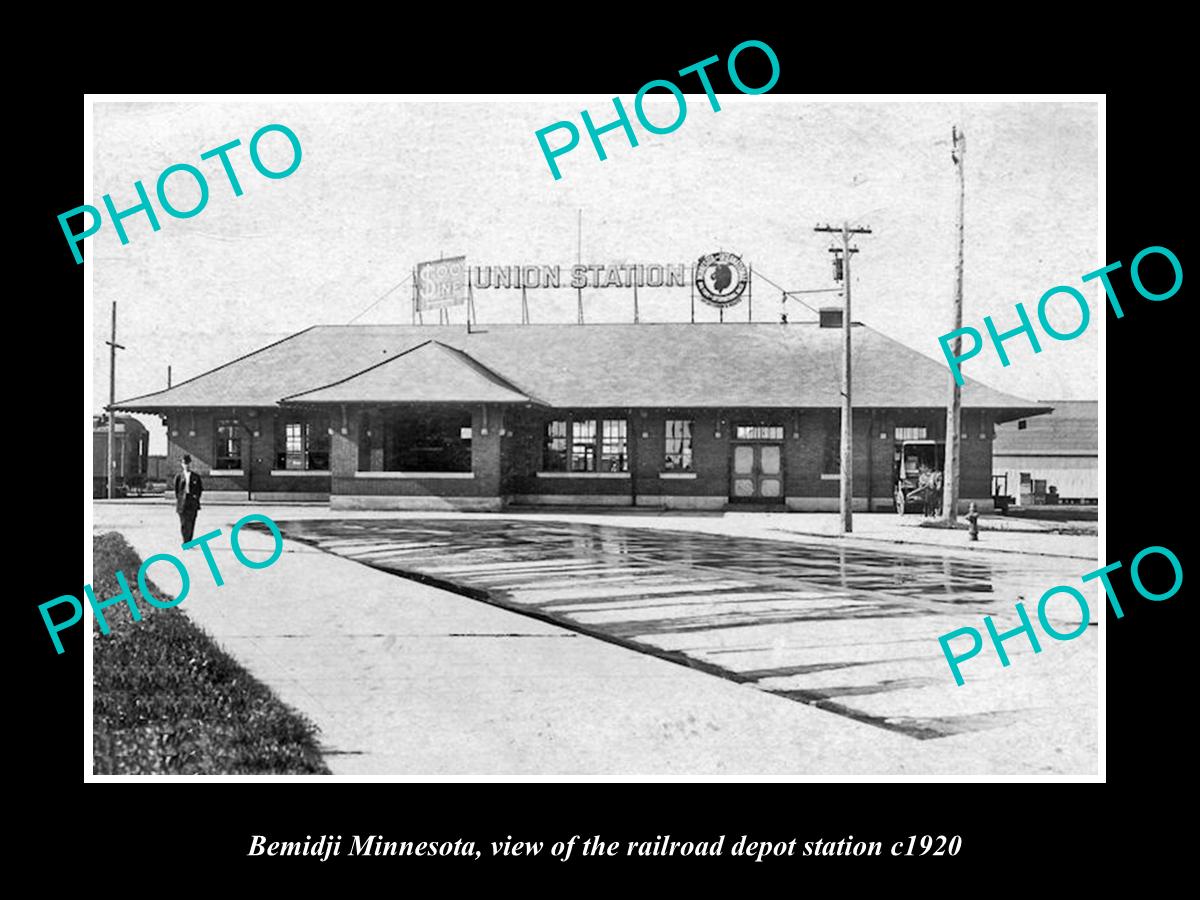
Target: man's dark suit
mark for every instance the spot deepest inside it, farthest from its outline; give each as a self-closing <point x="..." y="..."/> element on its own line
<point x="187" y="502"/>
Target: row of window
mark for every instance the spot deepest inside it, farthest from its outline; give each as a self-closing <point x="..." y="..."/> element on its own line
<point x="576" y="445"/>
<point x="298" y="445"/>
<point x="571" y="445"/>
<point x="590" y="445"/>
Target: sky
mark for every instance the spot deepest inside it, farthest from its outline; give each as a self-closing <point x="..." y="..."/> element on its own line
<point x="383" y="186"/>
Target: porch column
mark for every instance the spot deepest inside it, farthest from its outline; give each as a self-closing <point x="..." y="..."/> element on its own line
<point x="374" y="440"/>
<point x="487" y="423"/>
<point x="343" y="443"/>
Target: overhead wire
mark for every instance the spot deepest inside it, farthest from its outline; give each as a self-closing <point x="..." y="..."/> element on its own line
<point x="381" y="298"/>
<point x="758" y="274"/>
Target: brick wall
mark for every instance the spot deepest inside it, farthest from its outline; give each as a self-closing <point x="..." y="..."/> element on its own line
<point x="804" y="440"/>
<point x="258" y="453"/>
<point x="484" y="480"/>
<point x="506" y="464"/>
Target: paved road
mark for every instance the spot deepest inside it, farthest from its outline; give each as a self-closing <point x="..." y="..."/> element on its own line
<point x="849" y="631"/>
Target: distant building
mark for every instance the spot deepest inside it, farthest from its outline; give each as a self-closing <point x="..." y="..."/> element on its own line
<point x="131" y="446"/>
<point x="667" y="415"/>
<point x="1051" y="459"/>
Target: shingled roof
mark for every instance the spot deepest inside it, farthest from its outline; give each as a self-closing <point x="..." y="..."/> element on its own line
<point x="651" y="366"/>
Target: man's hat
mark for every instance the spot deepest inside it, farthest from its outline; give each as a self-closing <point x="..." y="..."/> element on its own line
<point x="187" y="457"/>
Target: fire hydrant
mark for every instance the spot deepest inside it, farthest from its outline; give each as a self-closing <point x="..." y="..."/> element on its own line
<point x="973" y="521"/>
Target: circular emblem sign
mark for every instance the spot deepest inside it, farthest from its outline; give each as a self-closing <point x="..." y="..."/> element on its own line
<point x="721" y="279"/>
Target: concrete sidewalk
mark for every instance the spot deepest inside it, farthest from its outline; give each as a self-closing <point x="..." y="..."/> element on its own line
<point x="997" y="534"/>
<point x="408" y="681"/>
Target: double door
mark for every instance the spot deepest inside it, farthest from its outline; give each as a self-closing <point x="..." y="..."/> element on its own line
<point x="757" y="472"/>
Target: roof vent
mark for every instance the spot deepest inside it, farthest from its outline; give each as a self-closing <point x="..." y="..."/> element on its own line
<point x="831" y="317"/>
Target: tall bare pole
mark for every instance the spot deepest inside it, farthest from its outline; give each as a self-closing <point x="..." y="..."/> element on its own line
<point x="693" y="282"/>
<point x="847" y="443"/>
<point x="113" y="347"/>
<point x="954" y="409"/>
<point x="416" y="304"/>
<point x="579" y="259"/>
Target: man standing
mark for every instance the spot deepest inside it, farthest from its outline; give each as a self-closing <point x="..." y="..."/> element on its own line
<point x="188" y="488"/>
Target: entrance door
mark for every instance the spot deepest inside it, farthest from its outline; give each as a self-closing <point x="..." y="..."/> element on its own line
<point x="757" y="472"/>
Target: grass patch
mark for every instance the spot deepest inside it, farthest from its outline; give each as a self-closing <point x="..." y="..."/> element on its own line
<point x="168" y="701"/>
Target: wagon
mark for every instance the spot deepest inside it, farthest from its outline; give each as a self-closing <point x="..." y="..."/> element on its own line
<point x="908" y="491"/>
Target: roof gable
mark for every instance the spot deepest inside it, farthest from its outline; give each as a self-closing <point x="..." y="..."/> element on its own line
<point x="428" y="373"/>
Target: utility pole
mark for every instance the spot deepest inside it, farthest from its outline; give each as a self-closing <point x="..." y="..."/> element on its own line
<point x="847" y="465"/>
<point x="954" y="410"/>
<point x="112" y="398"/>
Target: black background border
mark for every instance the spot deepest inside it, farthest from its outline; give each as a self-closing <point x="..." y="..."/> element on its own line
<point x="167" y="826"/>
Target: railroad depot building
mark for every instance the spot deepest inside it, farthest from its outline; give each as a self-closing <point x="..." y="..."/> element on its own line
<point x="676" y="416"/>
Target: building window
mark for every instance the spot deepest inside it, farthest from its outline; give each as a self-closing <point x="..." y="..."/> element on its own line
<point x="228" y="453"/>
<point x="583" y="445"/>
<point x="613" y="445"/>
<point x="293" y="456"/>
<point x="554" y="452"/>
<point x="679" y="446"/>
<point x="1022" y="425"/>
<point x="831" y="461"/>
<point x="302" y="444"/>
<point x="911" y="433"/>
<point x="758" y="433"/>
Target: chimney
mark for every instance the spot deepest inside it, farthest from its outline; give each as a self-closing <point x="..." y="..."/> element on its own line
<point x="831" y="317"/>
